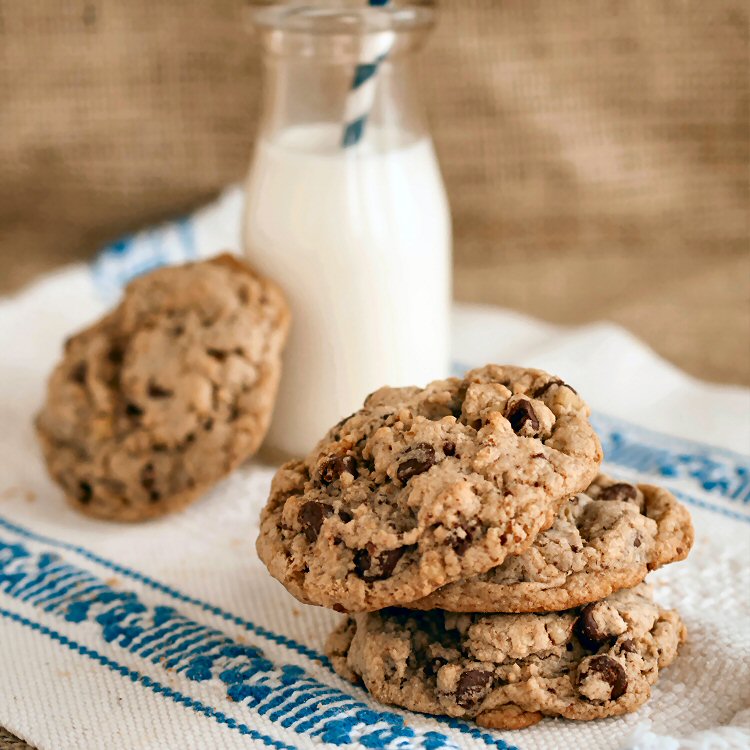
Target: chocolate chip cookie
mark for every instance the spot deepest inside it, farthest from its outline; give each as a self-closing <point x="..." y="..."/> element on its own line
<point x="508" y="671"/>
<point x="424" y="486"/>
<point x="605" y="539"/>
<point x="168" y="393"/>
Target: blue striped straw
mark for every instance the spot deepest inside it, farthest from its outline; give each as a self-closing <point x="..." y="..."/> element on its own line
<point x="375" y="49"/>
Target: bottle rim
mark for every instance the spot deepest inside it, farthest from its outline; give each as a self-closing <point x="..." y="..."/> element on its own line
<point x="335" y="18"/>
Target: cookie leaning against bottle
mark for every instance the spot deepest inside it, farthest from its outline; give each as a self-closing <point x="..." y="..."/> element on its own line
<point x="166" y="394"/>
<point x="425" y="486"/>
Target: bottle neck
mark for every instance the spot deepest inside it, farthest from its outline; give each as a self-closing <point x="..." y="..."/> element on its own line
<point x="351" y="77"/>
<point x="300" y="93"/>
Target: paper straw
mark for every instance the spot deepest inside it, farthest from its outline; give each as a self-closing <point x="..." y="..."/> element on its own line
<point x="375" y="49"/>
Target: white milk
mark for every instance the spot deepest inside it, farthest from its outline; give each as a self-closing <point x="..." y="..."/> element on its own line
<point x="360" y="242"/>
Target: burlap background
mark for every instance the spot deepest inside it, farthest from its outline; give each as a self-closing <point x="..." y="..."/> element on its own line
<point x="596" y="151"/>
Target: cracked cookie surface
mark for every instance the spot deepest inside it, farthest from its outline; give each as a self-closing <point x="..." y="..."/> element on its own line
<point x="424" y="486"/>
<point x="508" y="671"/>
<point x="167" y="393"/>
<point x="604" y="539"/>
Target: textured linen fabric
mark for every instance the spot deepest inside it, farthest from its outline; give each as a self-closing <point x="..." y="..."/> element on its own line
<point x="172" y="633"/>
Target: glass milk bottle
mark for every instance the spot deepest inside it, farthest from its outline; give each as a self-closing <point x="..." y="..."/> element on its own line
<point x="346" y="209"/>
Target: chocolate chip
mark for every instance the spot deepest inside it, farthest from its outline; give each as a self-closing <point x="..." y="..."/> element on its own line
<point x="588" y="632"/>
<point x="341" y="422"/>
<point x="620" y="491"/>
<point x="115" y="355"/>
<point x="457" y="404"/>
<point x="637" y="541"/>
<point x="362" y="562"/>
<point x="311" y="516"/>
<point x="376" y="567"/>
<point x="339" y="608"/>
<point x="611" y="671"/>
<point x="472" y="685"/>
<point x="461" y="546"/>
<point x="85" y="493"/>
<point x="218" y="354"/>
<point x="334" y="466"/>
<point x="156" y="391"/>
<point x="345" y="516"/>
<point x="628" y="646"/>
<point x="449" y="447"/>
<point x="542" y="389"/>
<point x="522" y="418"/>
<point x="78" y="374"/>
<point x="133" y="410"/>
<point x="555" y="381"/>
<point x="148" y="477"/>
<point x="460" y="542"/>
<point x="421" y="458"/>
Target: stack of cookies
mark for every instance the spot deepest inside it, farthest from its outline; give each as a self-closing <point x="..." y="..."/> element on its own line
<point x="487" y="569"/>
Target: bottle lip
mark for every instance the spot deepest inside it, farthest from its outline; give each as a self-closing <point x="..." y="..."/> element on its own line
<point x="336" y="18"/>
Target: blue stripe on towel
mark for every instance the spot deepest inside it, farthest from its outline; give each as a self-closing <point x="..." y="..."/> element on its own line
<point x="153" y="685"/>
<point x="235" y="671"/>
<point x="716" y="471"/>
<point x="163" y="588"/>
<point x="705" y="505"/>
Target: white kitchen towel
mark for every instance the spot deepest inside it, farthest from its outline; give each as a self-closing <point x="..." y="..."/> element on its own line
<point x="171" y="634"/>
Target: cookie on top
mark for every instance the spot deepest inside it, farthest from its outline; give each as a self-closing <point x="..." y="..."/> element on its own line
<point x="425" y="486"/>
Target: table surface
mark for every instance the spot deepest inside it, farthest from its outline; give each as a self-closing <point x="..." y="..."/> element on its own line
<point x="694" y="309"/>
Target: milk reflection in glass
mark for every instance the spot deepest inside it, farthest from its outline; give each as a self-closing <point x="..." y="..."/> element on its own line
<point x="359" y="239"/>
